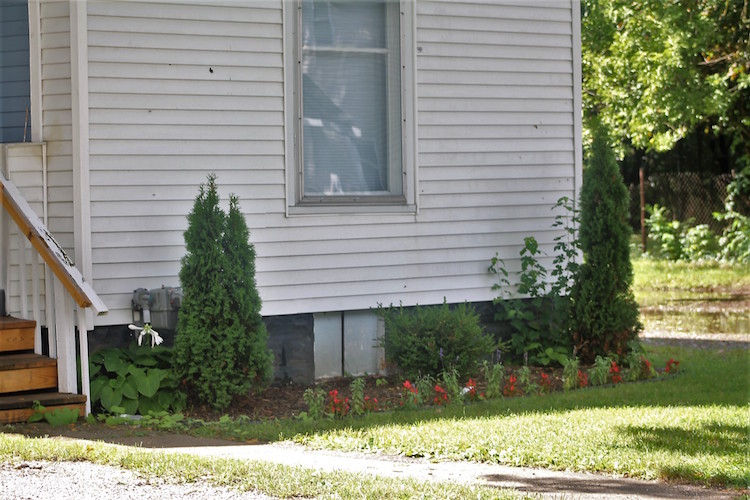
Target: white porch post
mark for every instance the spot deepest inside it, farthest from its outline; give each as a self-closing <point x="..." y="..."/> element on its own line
<point x="81" y="192"/>
<point x="66" y="340"/>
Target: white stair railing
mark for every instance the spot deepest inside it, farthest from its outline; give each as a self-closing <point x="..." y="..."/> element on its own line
<point x="63" y="285"/>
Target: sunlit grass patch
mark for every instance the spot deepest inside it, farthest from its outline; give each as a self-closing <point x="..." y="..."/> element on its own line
<point x="693" y="279"/>
<point x="268" y="478"/>
<point x="639" y="430"/>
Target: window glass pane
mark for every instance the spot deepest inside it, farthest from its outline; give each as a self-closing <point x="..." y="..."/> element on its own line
<point x="343" y="24"/>
<point x="351" y="100"/>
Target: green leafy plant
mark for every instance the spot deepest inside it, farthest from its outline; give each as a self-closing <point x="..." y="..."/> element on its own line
<point x="494" y="376"/>
<point x="221" y="347"/>
<point x="666" y="233"/>
<point x="137" y="379"/>
<point x="682" y="240"/>
<point x="639" y="367"/>
<point x="451" y="384"/>
<point x="525" y="380"/>
<point x="56" y="418"/>
<point x="699" y="242"/>
<point x="677" y="240"/>
<point x="539" y="319"/>
<point x="357" y="388"/>
<point x="424" y="385"/>
<point x="604" y="313"/>
<point x="571" y="369"/>
<point x="315" y="398"/>
<point x="599" y="373"/>
<point x="164" y="421"/>
<point x="735" y="240"/>
<point x="429" y="339"/>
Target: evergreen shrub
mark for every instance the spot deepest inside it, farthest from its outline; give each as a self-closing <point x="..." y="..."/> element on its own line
<point x="221" y="343"/>
<point x="427" y="340"/>
<point x="604" y="314"/>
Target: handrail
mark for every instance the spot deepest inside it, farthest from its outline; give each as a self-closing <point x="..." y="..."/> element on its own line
<point x="51" y="251"/>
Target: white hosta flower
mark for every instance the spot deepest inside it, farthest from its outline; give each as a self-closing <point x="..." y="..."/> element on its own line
<point x="147" y="330"/>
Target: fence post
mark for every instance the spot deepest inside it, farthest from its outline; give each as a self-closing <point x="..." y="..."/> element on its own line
<point x="641" y="177"/>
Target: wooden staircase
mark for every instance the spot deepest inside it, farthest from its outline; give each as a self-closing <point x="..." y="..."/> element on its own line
<point x="26" y="377"/>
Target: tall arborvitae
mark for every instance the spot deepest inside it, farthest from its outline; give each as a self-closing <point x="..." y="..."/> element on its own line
<point x="604" y="311"/>
<point x="220" y="347"/>
<point x="254" y="359"/>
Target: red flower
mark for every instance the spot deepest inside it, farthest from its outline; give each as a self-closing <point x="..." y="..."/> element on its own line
<point x="614" y="372"/>
<point x="471" y="387"/>
<point x="409" y="394"/>
<point x="441" y="397"/>
<point x="545" y="383"/>
<point x="371" y="404"/>
<point x="583" y="378"/>
<point x="510" y="388"/>
<point x="338" y="407"/>
<point x="672" y="365"/>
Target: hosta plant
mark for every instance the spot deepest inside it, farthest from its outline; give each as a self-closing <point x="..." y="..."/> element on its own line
<point x="135" y="380"/>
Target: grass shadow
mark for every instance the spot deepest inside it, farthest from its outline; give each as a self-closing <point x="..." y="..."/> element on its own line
<point x="698" y="440"/>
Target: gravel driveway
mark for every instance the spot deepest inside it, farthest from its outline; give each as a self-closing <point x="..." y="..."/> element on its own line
<point x="84" y="480"/>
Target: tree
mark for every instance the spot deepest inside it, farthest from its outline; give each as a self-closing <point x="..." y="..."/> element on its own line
<point x="604" y="314"/>
<point x="220" y="347"/>
<point x="656" y="70"/>
<point x="254" y="358"/>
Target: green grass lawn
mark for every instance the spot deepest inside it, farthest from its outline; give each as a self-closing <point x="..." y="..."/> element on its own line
<point x="693" y="426"/>
<point x="657" y="280"/>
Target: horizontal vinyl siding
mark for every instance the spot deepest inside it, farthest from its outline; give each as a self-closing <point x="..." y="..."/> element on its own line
<point x="496" y="128"/>
<point x="181" y="90"/>
<point x="177" y="91"/>
<point x="57" y="118"/>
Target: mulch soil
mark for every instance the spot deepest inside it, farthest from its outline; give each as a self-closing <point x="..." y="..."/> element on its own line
<point x="286" y="400"/>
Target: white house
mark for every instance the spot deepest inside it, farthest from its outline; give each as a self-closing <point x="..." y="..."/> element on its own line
<point x="382" y="151"/>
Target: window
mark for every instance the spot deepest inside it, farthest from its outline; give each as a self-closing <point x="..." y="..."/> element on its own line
<point x="351" y="118"/>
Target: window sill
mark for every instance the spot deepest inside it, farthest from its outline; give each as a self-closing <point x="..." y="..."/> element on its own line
<point x="342" y="209"/>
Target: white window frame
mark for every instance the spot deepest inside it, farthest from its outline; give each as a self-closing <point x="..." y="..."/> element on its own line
<point x="406" y="203"/>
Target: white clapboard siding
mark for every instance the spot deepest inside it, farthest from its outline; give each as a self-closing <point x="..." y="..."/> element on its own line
<point x="177" y="90"/>
<point x="180" y="89"/>
<point x="57" y="118"/>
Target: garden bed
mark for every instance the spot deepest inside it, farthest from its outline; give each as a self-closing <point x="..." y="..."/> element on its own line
<point x="281" y="401"/>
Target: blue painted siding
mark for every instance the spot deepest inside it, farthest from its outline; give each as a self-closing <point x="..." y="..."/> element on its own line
<point x="14" y="70"/>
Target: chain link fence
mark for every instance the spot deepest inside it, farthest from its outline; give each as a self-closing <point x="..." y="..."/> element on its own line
<point x="687" y="196"/>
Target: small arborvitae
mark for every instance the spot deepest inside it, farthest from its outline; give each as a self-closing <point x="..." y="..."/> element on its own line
<point x="220" y="347"/>
<point x="604" y="312"/>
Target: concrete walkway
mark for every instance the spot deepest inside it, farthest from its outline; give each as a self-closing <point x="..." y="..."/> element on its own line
<point x="545" y="483"/>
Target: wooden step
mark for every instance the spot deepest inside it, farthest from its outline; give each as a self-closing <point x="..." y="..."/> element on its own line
<point x="27" y="372"/>
<point x="18" y="408"/>
<point x="16" y="334"/>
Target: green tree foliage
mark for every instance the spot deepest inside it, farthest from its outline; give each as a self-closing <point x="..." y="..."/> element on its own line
<point x="221" y="347"/>
<point x="604" y="314"/>
<point x="655" y="70"/>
